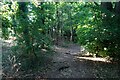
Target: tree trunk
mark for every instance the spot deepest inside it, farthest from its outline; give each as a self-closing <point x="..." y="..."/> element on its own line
<point x="117" y="8"/>
<point x="107" y="6"/>
<point x="71" y="37"/>
<point x="57" y="24"/>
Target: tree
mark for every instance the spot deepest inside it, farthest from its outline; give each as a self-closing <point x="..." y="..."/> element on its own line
<point x="101" y="36"/>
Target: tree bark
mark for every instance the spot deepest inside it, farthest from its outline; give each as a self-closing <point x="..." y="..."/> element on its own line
<point x="57" y="27"/>
<point x="117" y="8"/>
<point x="71" y="37"/>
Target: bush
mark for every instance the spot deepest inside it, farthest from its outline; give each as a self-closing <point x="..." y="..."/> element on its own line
<point x="102" y="39"/>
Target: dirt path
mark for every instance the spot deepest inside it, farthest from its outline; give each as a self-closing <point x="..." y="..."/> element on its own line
<point x="67" y="65"/>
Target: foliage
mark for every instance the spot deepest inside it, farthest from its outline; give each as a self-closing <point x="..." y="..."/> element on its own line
<point x="37" y="25"/>
<point x="25" y="22"/>
<point x="101" y="36"/>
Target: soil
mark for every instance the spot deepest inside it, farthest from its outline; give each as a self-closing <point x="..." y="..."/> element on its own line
<point x="66" y="64"/>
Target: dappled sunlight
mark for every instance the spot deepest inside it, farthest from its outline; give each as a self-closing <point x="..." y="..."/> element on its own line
<point x="60" y="39"/>
<point x="59" y="49"/>
<point x="8" y="43"/>
<point x="94" y="59"/>
<point x="44" y="50"/>
<point x="73" y="50"/>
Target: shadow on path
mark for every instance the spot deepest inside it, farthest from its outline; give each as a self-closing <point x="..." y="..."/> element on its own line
<point x="67" y="63"/>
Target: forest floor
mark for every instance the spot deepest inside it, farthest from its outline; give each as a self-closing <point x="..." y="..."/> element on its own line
<point x="67" y="62"/>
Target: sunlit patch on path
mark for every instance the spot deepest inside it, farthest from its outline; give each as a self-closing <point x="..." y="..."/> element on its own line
<point x="94" y="59"/>
<point x="71" y="49"/>
<point x="71" y="62"/>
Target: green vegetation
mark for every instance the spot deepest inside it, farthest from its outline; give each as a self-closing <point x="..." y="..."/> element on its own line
<point x="100" y="32"/>
<point x="37" y="26"/>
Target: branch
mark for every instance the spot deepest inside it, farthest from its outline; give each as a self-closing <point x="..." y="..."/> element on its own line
<point x="96" y="4"/>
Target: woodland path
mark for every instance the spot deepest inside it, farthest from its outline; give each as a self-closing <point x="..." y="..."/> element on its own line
<point x="67" y="65"/>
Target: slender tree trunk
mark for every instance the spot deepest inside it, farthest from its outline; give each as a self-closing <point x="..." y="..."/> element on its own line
<point x="117" y="8"/>
<point x="57" y="24"/>
<point x="71" y="37"/>
<point x="71" y="29"/>
<point x="62" y="31"/>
